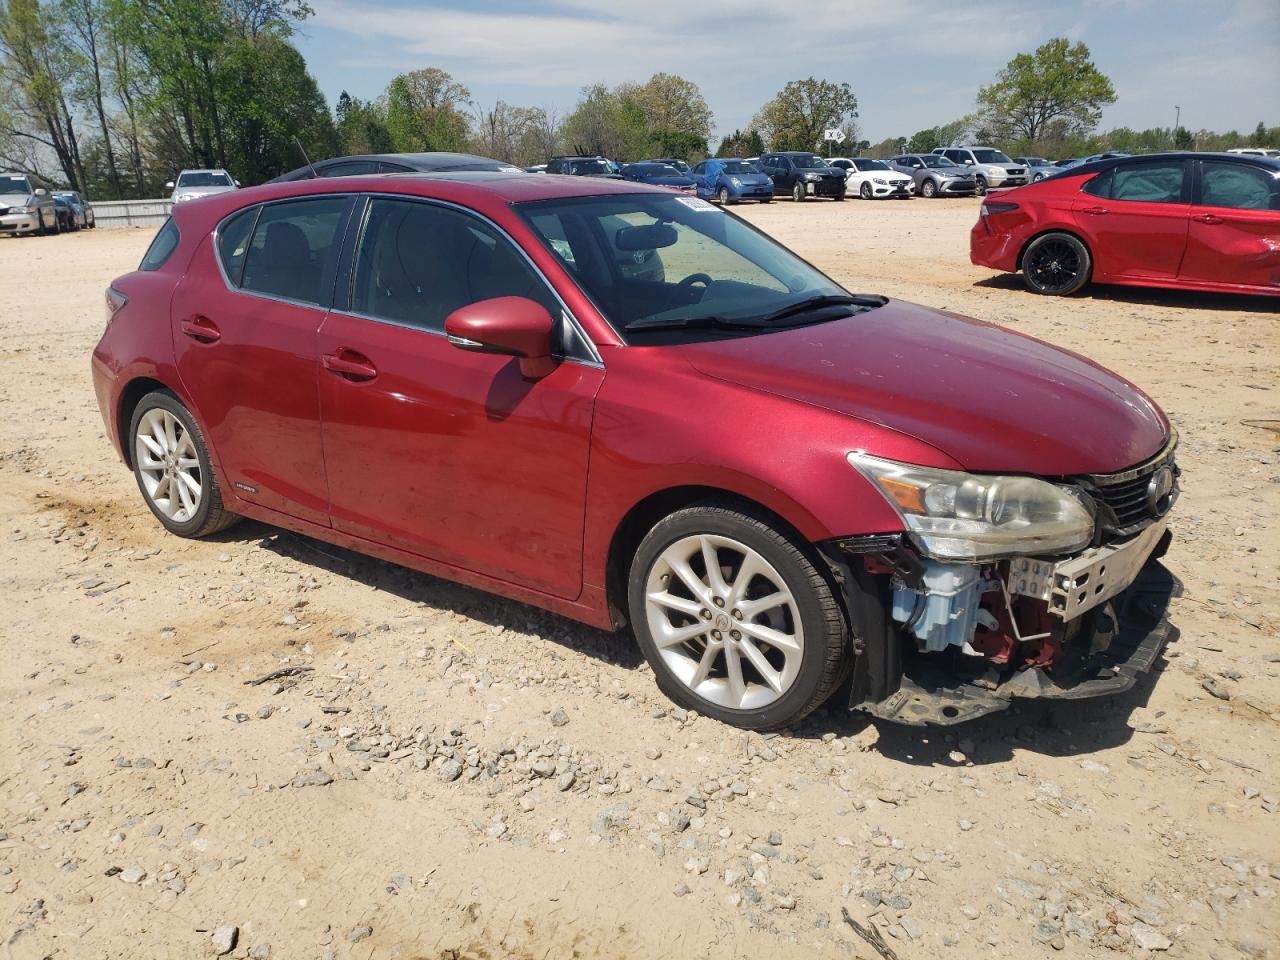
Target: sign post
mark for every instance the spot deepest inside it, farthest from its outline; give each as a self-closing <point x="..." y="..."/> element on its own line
<point x="832" y="135"/>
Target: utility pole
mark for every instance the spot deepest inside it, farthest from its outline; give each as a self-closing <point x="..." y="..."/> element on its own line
<point x="1177" y="123"/>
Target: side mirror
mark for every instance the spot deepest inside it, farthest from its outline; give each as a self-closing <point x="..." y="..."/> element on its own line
<point x="41" y="192"/>
<point x="510" y="326"/>
<point x="169" y="185"/>
<point x="236" y="182"/>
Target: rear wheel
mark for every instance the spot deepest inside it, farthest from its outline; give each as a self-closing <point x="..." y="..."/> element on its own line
<point x="1056" y="264"/>
<point x="797" y="192"/>
<point x="734" y="618"/>
<point x="929" y="189"/>
<point x="171" y="465"/>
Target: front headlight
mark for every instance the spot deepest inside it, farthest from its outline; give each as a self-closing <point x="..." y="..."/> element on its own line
<point x="880" y="180"/>
<point x="735" y="182"/>
<point x="966" y="516"/>
<point x="26" y="210"/>
<point x="813" y="176"/>
<point x="996" y="171"/>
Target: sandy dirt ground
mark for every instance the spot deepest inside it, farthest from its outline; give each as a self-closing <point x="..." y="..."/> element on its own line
<point x="459" y="776"/>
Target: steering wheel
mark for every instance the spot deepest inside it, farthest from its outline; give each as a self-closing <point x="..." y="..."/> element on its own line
<point x="685" y="286"/>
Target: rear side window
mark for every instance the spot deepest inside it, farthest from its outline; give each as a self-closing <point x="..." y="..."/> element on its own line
<point x="1238" y="187"/>
<point x="233" y="242"/>
<point x="418" y="262"/>
<point x="293" y="247"/>
<point x="352" y="168"/>
<point x="162" y="247"/>
<point x="1156" y="182"/>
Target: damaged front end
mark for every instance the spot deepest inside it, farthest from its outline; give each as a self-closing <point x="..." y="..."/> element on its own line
<point x="958" y="617"/>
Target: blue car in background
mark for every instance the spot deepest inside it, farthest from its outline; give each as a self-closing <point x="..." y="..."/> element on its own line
<point x="731" y="180"/>
<point x="658" y="174"/>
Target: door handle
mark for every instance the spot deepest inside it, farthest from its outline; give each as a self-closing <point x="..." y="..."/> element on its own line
<point x="350" y="365"/>
<point x="1094" y="211"/>
<point x="201" y="329"/>
<point x="1207" y="218"/>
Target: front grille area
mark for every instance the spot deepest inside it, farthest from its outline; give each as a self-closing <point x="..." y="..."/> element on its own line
<point x="1122" y="499"/>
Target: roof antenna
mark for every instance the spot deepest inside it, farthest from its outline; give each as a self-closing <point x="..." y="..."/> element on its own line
<point x="302" y="150"/>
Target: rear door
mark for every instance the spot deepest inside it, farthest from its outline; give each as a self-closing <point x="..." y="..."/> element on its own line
<point x="245" y="319"/>
<point x="1134" y="218"/>
<point x="1234" y="230"/>
<point x="443" y="452"/>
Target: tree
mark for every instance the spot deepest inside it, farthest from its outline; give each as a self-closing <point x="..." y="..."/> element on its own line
<point x="796" y="118"/>
<point x="1058" y="83"/>
<point x="519" y="135"/>
<point x="672" y="104"/>
<point x="424" y="111"/>
<point x="741" y="143"/>
<point x="607" y="122"/>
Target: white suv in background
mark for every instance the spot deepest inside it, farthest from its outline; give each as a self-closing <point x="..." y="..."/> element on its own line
<point x="1255" y="151"/>
<point x="193" y="184"/>
<point x="990" y="167"/>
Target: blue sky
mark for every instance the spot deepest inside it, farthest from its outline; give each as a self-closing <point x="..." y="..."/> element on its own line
<point x="912" y="63"/>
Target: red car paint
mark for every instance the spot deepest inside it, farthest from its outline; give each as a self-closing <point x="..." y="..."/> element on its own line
<point x="451" y="462"/>
<point x="1191" y="245"/>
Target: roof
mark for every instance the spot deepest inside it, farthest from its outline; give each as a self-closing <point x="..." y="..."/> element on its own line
<point x="1097" y="166"/>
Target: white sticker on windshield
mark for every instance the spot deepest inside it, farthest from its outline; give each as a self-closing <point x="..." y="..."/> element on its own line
<point x="697" y="203"/>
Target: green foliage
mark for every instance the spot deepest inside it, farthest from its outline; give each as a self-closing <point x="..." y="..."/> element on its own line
<point x="796" y="118"/>
<point x="665" y="116"/>
<point x="424" y="111"/>
<point x="360" y="127"/>
<point x="741" y="143"/>
<point x="1058" y="84"/>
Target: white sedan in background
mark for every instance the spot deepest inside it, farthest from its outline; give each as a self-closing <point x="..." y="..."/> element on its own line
<point x="874" y="179"/>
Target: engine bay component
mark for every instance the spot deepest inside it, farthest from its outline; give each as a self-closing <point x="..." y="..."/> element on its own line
<point x="943" y="610"/>
<point x="1098" y="574"/>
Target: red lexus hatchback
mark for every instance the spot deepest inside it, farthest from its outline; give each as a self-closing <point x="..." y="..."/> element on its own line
<point x="633" y="408"/>
<point x="1201" y="221"/>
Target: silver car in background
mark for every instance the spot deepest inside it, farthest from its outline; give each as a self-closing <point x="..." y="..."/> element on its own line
<point x="991" y="167"/>
<point x="193" y="184"/>
<point x="1038" y="167"/>
<point x="936" y="176"/>
<point x="25" y="208"/>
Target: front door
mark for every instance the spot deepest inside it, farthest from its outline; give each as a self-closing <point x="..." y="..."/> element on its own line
<point x="245" y="319"/>
<point x="1134" y="218"/>
<point x="446" y="453"/>
<point x="1234" y="226"/>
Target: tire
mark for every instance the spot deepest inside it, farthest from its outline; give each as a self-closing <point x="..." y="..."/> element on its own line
<point x="724" y="197"/>
<point x="981" y="183"/>
<point x="209" y="515"/>
<point x="766" y="199"/>
<point x="1056" y="264"/>
<point x="929" y="189"/>
<point x="41" y="229"/>
<point x="865" y="191"/>
<point x="797" y="192"/>
<point x="696" y="673"/>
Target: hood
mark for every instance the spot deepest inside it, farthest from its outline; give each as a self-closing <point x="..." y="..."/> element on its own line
<point x="993" y="400"/>
<point x="681" y="181"/>
<point x="17" y="199"/>
<point x="961" y="173"/>
<point x="200" y="191"/>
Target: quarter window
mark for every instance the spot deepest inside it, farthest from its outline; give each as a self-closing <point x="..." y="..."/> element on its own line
<point x="352" y="168"/>
<point x="1238" y="187"/>
<point x="293" y="247"/>
<point x="162" y="247"/>
<point x="419" y="262"/>
<point x="233" y="242"/>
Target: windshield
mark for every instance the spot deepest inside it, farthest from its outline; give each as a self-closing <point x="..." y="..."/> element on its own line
<point x="585" y="167"/>
<point x="675" y="269"/>
<point x="990" y="156"/>
<point x="12" y="184"/>
<point x="658" y="170"/>
<point x="811" y="162"/>
<point x="932" y="160"/>
<point x="739" y="166"/>
<point x="872" y="165"/>
<point x="204" y="178"/>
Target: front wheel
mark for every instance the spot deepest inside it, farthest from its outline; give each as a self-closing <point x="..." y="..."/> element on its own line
<point x="981" y="186"/>
<point x="1056" y="264"/>
<point x="865" y="191"/>
<point x="928" y="189"/>
<point x="172" y="467"/>
<point x="797" y="192"/>
<point x="724" y="197"/>
<point x="735" y="619"/>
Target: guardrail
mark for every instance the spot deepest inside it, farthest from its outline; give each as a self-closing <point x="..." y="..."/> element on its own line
<point x="110" y="214"/>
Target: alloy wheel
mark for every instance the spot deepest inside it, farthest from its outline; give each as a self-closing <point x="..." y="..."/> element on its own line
<point x="724" y="621"/>
<point x="168" y="465"/>
<point x="1053" y="265"/>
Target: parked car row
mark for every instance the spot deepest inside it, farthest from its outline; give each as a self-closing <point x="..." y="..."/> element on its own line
<point x="28" y="209"/>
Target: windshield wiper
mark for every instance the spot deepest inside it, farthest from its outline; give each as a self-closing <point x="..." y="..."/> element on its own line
<point x="707" y="322"/>
<point x="826" y="300"/>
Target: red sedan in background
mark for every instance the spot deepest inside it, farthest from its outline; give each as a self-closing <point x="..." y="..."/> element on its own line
<point x="1200" y="221"/>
